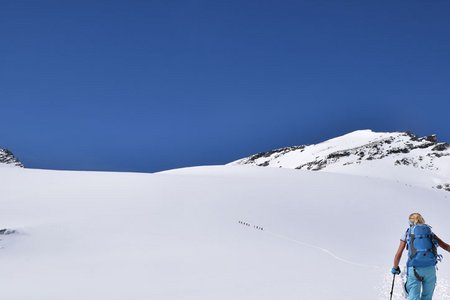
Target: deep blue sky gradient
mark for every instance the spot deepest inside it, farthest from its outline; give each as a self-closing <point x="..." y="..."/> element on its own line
<point x="153" y="85"/>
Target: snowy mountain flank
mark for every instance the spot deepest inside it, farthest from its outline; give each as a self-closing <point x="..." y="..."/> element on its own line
<point x="195" y="233"/>
<point x="8" y="158"/>
<point x="368" y="153"/>
<point x="225" y="232"/>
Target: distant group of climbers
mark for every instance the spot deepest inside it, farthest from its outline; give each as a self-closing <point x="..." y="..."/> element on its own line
<point x="254" y="226"/>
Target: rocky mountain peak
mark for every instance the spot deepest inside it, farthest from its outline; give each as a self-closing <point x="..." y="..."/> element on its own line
<point x="362" y="152"/>
<point x="8" y="158"/>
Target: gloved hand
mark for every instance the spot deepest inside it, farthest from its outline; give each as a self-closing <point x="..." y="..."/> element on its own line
<point x="396" y="271"/>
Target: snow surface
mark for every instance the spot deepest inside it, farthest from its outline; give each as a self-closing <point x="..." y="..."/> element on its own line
<point x="178" y="234"/>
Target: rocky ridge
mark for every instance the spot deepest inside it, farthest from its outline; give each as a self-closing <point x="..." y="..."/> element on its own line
<point x="8" y="158"/>
<point x="359" y="149"/>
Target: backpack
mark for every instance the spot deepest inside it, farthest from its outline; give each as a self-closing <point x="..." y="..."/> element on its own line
<point x="421" y="246"/>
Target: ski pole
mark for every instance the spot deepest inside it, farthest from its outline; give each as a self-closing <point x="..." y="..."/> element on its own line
<point x="392" y="288"/>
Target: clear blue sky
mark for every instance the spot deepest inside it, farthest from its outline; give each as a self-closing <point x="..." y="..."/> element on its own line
<point x="152" y="85"/>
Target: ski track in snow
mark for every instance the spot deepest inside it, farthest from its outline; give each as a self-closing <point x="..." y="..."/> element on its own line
<point x="326" y="251"/>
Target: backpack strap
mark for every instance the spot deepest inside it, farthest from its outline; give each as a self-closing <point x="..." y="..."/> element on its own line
<point x="421" y="236"/>
<point x="407" y="238"/>
<point x="418" y="277"/>
<point x="412" y="249"/>
<point x="434" y="249"/>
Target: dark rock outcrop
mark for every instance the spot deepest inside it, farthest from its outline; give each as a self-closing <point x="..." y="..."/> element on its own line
<point x="441" y="147"/>
<point x="7" y="157"/>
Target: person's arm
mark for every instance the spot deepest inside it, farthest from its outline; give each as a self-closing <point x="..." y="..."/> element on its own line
<point x="398" y="255"/>
<point x="442" y="244"/>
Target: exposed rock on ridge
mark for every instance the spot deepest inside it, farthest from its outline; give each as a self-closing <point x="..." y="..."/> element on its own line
<point x="7" y="157"/>
<point x="366" y="153"/>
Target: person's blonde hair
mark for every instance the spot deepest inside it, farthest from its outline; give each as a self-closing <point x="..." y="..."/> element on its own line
<point x="416" y="218"/>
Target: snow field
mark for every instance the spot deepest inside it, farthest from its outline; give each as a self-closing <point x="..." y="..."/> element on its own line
<point x="176" y="234"/>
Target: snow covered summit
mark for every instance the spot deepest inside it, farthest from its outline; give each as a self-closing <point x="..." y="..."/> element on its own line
<point x="368" y="153"/>
<point x="8" y="158"/>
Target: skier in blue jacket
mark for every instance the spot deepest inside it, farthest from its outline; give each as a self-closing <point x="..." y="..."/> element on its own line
<point x="421" y="244"/>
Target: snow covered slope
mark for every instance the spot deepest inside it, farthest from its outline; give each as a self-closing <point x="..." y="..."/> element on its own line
<point x="7" y="158"/>
<point x="190" y="234"/>
<point x="398" y="156"/>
